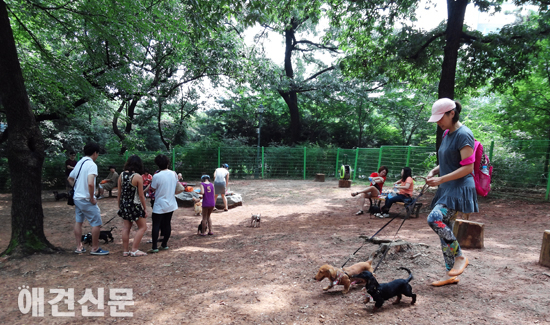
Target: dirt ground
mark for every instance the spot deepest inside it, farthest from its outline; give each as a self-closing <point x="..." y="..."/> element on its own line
<point x="245" y="275"/>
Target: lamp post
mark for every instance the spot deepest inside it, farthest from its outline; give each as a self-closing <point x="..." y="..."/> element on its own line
<point x="261" y="110"/>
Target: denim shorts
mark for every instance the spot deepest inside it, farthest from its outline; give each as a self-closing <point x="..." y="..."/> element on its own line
<point x="85" y="209"/>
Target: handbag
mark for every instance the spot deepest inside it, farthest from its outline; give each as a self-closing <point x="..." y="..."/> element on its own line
<point x="70" y="199"/>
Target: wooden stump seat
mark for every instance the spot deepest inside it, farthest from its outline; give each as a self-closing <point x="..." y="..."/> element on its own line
<point x="544" y="259"/>
<point x="469" y="233"/>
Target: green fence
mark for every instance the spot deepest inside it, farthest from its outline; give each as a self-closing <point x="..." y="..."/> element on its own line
<point x="519" y="166"/>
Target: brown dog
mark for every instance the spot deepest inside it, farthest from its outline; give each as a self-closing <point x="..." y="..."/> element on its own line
<point x="343" y="276"/>
<point x="198" y="208"/>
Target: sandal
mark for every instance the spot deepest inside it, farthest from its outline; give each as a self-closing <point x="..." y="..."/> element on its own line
<point x="137" y="253"/>
<point x="359" y="212"/>
<point x="77" y="251"/>
<point x="211" y="233"/>
<point x="225" y="209"/>
<point x="125" y="254"/>
<point x="453" y="280"/>
<point x="202" y="234"/>
<point x="354" y="194"/>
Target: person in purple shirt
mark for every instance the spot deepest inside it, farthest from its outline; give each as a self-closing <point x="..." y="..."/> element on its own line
<point x="208" y="203"/>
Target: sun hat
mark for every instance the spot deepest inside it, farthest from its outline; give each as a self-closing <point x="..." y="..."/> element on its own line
<point x="440" y="107"/>
<point x="225" y="166"/>
<point x="204" y="177"/>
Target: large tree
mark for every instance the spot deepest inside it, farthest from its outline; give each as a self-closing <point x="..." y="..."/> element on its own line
<point x="25" y="150"/>
<point x="379" y="39"/>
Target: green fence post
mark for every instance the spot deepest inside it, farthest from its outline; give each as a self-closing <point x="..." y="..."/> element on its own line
<point x="219" y="157"/>
<point x="262" y="162"/>
<point x="380" y="158"/>
<point x="337" y="159"/>
<point x="355" y="166"/>
<point x="304" y="163"/>
<point x="408" y="156"/>
<point x="491" y="150"/>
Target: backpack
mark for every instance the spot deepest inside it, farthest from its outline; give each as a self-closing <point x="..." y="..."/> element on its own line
<point x="482" y="168"/>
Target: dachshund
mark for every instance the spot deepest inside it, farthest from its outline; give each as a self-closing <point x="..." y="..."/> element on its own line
<point x="59" y="196"/>
<point x="381" y="292"/>
<point x="345" y="276"/>
<point x="106" y="235"/>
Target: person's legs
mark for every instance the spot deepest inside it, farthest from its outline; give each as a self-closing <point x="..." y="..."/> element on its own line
<point x="390" y="202"/>
<point x="224" y="202"/>
<point x="441" y="220"/>
<point x="157" y="218"/>
<point x="209" y="212"/>
<point x="369" y="192"/>
<point x="204" y="221"/>
<point x="142" y="227"/>
<point x="126" y="227"/>
<point x="95" y="238"/>
<point x="78" y="235"/>
<point x="166" y="225"/>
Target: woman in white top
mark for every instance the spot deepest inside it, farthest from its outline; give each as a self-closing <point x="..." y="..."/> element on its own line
<point x="164" y="185"/>
<point x="221" y="182"/>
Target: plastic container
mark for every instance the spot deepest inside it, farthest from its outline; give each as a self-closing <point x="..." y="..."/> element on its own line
<point x="484" y="170"/>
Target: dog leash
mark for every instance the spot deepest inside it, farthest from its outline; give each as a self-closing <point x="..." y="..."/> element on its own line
<point x="109" y="221"/>
<point x="387" y="223"/>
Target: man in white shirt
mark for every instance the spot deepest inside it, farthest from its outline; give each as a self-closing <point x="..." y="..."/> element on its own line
<point x="82" y="178"/>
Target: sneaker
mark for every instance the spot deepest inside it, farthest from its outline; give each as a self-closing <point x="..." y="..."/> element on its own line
<point x="378" y="215"/>
<point x="385" y="215"/>
<point x="83" y="250"/>
<point x="99" y="251"/>
<point x="164" y="248"/>
<point x="153" y="251"/>
<point x="100" y="197"/>
<point x="359" y="212"/>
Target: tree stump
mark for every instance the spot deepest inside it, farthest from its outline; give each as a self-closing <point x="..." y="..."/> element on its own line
<point x="545" y="250"/>
<point x="469" y="233"/>
<point x="319" y="177"/>
<point x="344" y="183"/>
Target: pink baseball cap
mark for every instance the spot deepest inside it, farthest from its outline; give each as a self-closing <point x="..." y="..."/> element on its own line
<point x="440" y="107"/>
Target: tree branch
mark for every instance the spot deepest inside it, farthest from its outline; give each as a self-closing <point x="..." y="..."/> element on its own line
<point x="423" y="47"/>
<point x="319" y="73"/>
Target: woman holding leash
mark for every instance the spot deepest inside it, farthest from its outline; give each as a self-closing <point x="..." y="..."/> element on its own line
<point x="132" y="206"/>
<point x="456" y="192"/>
<point x="377" y="183"/>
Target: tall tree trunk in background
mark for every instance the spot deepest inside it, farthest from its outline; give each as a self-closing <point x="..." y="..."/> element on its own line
<point x="25" y="151"/>
<point x="456" y="9"/>
<point x="290" y="96"/>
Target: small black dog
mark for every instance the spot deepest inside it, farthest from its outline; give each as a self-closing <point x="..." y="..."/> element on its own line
<point x="59" y="196"/>
<point x="106" y="235"/>
<point x="373" y="209"/>
<point x="384" y="291"/>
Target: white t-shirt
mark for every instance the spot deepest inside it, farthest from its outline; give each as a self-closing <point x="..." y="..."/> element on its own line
<point x="89" y="167"/>
<point x="220" y="175"/>
<point x="164" y="183"/>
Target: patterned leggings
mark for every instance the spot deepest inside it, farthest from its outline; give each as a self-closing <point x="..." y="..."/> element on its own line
<point x="442" y="220"/>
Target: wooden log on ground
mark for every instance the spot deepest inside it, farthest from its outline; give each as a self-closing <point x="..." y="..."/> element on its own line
<point x="344" y="183"/>
<point x="469" y="233"/>
<point x="544" y="259"/>
<point x="319" y="177"/>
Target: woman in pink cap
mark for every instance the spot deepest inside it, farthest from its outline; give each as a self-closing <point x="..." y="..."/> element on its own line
<point x="456" y="192"/>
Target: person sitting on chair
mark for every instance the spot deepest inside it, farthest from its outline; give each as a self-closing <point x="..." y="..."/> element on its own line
<point x="405" y="186"/>
<point x="109" y="183"/>
<point x="377" y="182"/>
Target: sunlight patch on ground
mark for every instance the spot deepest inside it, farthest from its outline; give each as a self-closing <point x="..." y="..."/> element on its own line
<point x="198" y="249"/>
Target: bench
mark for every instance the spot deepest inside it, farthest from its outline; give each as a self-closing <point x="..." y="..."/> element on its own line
<point x="411" y="210"/>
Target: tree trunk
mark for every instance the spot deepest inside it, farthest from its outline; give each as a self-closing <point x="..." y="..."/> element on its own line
<point x="291" y="97"/>
<point x="456" y="10"/>
<point x="25" y="151"/>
